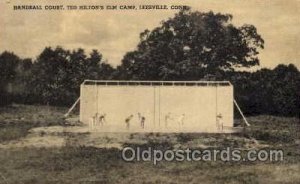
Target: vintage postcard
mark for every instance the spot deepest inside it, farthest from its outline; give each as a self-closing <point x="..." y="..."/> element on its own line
<point x="148" y="91"/>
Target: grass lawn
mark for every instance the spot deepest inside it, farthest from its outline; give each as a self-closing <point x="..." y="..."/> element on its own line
<point x="77" y="163"/>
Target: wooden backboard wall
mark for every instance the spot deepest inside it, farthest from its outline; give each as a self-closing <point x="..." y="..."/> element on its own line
<point x="166" y="108"/>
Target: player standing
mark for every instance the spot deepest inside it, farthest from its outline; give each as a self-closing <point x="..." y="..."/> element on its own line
<point x="143" y="119"/>
<point x="127" y="121"/>
<point x="102" y="119"/>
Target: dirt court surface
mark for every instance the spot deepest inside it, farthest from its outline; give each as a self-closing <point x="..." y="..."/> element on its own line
<point x="59" y="136"/>
<point x="38" y="145"/>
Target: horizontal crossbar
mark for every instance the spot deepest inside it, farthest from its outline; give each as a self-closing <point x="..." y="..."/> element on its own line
<point x="156" y="83"/>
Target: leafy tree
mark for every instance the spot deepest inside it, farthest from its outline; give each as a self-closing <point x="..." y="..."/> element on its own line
<point x="8" y="64"/>
<point x="268" y="91"/>
<point x="48" y="76"/>
<point x="190" y="46"/>
<point x="286" y="90"/>
<point x="20" y="92"/>
<point x="58" y="73"/>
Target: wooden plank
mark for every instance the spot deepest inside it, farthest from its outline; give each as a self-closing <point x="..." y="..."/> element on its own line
<point x="245" y="120"/>
<point x="73" y="106"/>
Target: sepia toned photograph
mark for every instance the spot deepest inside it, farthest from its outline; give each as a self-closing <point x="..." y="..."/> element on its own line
<point x="148" y="91"/>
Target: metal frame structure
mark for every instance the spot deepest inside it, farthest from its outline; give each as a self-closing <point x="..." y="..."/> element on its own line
<point x="157" y="83"/>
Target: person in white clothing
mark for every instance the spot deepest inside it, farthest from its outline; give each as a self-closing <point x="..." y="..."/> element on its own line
<point x="181" y="119"/>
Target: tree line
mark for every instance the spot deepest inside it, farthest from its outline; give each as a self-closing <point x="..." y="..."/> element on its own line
<point x="189" y="46"/>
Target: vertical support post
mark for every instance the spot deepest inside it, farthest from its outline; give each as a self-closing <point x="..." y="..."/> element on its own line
<point x="217" y="119"/>
<point x="154" y="104"/>
<point x="159" y="106"/>
<point x="97" y="102"/>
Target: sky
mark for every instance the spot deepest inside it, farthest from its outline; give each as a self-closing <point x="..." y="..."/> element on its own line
<point x="115" y="32"/>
